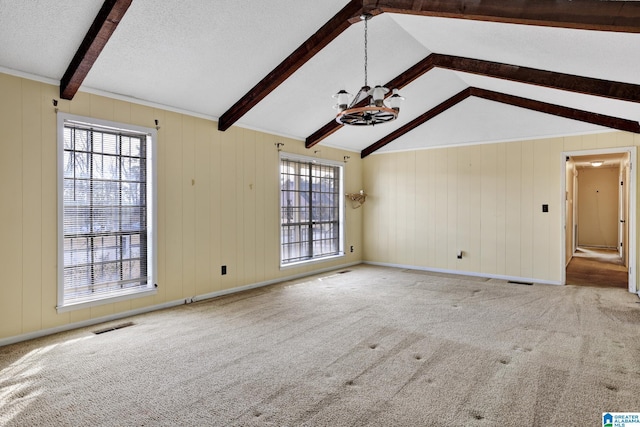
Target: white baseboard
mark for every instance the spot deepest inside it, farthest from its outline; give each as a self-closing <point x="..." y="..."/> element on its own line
<point x="111" y="317"/>
<point x="467" y="273"/>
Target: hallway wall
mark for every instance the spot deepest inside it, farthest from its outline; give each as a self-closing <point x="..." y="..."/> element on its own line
<point x="598" y="207"/>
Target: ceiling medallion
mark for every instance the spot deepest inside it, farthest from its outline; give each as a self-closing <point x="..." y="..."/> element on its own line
<point x="368" y="108"/>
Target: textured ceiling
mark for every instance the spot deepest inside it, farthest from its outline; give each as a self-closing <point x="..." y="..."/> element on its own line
<point x="40" y="37"/>
<point x="202" y="56"/>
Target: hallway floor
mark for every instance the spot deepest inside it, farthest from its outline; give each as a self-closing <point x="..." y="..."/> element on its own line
<point x="597" y="267"/>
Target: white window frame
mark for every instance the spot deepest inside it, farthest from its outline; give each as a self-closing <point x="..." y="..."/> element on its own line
<point x="151" y="175"/>
<point x="341" y="207"/>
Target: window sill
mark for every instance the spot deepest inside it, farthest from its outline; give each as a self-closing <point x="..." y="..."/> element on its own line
<point x="311" y="261"/>
<point x="109" y="300"/>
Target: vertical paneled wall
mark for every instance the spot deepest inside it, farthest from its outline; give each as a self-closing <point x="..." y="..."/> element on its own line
<point x="483" y="200"/>
<point x="218" y="201"/>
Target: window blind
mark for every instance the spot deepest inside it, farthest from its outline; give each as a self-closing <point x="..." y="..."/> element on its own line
<point x="310" y="210"/>
<point x="105" y="213"/>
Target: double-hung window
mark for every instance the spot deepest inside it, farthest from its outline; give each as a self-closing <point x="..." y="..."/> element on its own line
<point x="106" y="206"/>
<point x="311" y="209"/>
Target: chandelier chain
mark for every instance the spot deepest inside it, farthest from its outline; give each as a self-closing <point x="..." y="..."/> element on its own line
<point x="366" y="20"/>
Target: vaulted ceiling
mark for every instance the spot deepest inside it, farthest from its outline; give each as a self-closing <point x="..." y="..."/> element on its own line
<point x="471" y="71"/>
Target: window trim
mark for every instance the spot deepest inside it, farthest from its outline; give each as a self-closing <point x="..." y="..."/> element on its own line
<point x="152" y="204"/>
<point x="341" y="207"/>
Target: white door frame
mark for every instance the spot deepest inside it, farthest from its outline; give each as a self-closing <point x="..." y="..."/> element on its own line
<point x="631" y="218"/>
<point x="574" y="243"/>
<point x="622" y="214"/>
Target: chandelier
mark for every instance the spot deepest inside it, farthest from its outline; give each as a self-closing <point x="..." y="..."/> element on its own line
<point x="368" y="107"/>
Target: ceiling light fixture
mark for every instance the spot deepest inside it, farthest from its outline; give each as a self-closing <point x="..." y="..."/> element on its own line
<point x="368" y="108"/>
<point x="596" y="164"/>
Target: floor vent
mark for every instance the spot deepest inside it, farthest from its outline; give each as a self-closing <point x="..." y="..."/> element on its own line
<point x="520" y="283"/>
<point x="113" y="328"/>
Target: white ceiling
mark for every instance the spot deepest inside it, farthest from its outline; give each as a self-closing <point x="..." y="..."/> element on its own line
<point x="202" y="56"/>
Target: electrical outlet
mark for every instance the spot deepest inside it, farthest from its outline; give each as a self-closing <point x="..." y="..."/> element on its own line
<point x="224" y="270"/>
<point x="351" y="249"/>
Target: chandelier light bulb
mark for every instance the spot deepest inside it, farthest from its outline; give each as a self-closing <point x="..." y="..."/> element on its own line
<point x="395" y="100"/>
<point x="343" y="98"/>
<point x="377" y="95"/>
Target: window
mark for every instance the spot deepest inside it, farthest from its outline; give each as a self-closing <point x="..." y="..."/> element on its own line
<point x="106" y="205"/>
<point x="311" y="207"/>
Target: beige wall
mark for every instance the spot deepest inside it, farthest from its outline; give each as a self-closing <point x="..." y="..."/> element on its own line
<point x="485" y="200"/>
<point x="598" y="207"/>
<point x="423" y="206"/>
<point x="229" y="216"/>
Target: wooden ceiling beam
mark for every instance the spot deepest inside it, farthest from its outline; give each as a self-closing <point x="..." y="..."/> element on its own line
<point x="398" y="83"/>
<point x="582" y="14"/>
<point x="585" y="85"/>
<point x="103" y="26"/>
<point x="440" y="108"/>
<point x="530" y="104"/>
<point x="619" y="16"/>
<point x="307" y="50"/>
<point x="558" y="110"/>
<point x="551" y="79"/>
<point x="622" y="16"/>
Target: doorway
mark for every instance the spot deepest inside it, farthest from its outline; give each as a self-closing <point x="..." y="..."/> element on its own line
<point x="599" y="201"/>
<point x="591" y="266"/>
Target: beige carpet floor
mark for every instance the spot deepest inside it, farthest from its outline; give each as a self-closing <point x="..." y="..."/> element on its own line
<point x="371" y="347"/>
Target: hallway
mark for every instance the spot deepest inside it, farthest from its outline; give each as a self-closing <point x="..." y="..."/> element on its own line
<point x="597" y="267"/>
